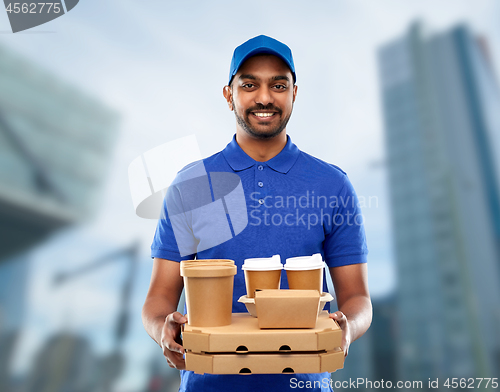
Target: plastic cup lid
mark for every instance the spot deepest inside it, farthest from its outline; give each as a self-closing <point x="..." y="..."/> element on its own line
<point x="263" y="264"/>
<point x="304" y="263"/>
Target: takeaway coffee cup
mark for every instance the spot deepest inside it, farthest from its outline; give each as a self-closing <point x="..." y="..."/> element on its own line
<point x="305" y="273"/>
<point x="209" y="291"/>
<point x="262" y="273"/>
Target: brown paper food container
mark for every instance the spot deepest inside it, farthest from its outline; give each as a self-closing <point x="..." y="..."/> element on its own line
<point x="287" y="308"/>
<point x="305" y="279"/>
<point x="209" y="291"/>
<point x="261" y="280"/>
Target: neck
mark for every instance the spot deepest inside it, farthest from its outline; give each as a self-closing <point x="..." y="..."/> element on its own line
<point x="261" y="150"/>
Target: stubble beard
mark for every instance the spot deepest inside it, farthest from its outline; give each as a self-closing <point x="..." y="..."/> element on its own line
<point x="245" y="125"/>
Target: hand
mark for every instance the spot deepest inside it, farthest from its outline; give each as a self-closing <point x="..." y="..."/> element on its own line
<point x="171" y="340"/>
<point x="346" y="332"/>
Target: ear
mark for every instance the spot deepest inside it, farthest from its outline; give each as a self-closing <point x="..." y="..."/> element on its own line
<point x="228" y="94"/>
<point x="295" y="88"/>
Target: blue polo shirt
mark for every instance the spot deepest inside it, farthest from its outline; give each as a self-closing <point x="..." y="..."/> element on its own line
<point x="296" y="205"/>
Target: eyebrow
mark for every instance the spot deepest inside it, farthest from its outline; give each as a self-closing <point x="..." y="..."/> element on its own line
<point x="252" y="77"/>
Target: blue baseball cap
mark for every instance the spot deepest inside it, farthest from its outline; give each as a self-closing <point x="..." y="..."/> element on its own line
<point x="261" y="44"/>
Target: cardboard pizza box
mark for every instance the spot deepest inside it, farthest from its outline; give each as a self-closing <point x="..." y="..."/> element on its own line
<point x="244" y="335"/>
<point x="266" y="363"/>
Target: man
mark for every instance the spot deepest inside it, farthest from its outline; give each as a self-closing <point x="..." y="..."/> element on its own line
<point x="297" y="205"/>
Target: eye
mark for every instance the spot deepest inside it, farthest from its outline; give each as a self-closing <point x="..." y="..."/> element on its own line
<point x="248" y="85"/>
<point x="280" y="87"/>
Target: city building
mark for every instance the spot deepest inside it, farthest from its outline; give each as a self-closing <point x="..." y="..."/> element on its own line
<point x="383" y="338"/>
<point x="65" y="363"/>
<point x="442" y="128"/>
<point x="358" y="363"/>
<point x="55" y="144"/>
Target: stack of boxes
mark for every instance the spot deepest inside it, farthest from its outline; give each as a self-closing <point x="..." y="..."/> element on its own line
<point x="291" y="333"/>
<point x="242" y="347"/>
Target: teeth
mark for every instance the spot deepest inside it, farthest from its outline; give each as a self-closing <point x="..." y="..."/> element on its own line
<point x="263" y="114"/>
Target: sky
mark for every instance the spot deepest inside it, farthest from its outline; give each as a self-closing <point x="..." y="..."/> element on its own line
<point x="162" y="65"/>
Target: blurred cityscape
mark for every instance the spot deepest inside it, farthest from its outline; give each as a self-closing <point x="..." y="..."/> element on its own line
<point x="441" y="101"/>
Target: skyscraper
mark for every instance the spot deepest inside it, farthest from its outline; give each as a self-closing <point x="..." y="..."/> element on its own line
<point x="442" y="127"/>
<point x="54" y="147"/>
<point x="382" y="336"/>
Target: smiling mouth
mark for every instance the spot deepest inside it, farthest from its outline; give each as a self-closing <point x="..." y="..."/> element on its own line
<point x="264" y="115"/>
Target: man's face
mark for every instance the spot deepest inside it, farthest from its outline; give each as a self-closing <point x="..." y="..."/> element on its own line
<point x="262" y="95"/>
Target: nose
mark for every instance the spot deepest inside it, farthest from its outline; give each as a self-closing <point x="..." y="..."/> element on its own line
<point x="264" y="96"/>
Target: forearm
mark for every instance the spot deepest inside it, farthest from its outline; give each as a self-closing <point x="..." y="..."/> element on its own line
<point x="154" y="312"/>
<point x="358" y="310"/>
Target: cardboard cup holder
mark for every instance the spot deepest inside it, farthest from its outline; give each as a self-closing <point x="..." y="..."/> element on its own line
<point x="250" y="303"/>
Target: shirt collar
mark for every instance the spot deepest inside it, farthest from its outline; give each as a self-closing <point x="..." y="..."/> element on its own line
<point x="239" y="160"/>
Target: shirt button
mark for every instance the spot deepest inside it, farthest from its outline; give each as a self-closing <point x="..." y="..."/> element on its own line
<point x="260" y="183"/>
<point x="261" y="201"/>
<point x="260" y="167"/>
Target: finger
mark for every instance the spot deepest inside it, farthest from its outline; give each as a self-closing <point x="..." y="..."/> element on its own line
<point x="345" y="347"/>
<point x="172" y="318"/>
<point x="178" y="318"/>
<point x="337" y="315"/>
<point x="170" y="363"/>
<point x="173" y="346"/>
<point x="177" y="361"/>
<point x="171" y="335"/>
<point x="340" y="318"/>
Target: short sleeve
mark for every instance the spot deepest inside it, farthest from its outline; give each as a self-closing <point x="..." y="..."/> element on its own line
<point x="168" y="236"/>
<point x="345" y="243"/>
